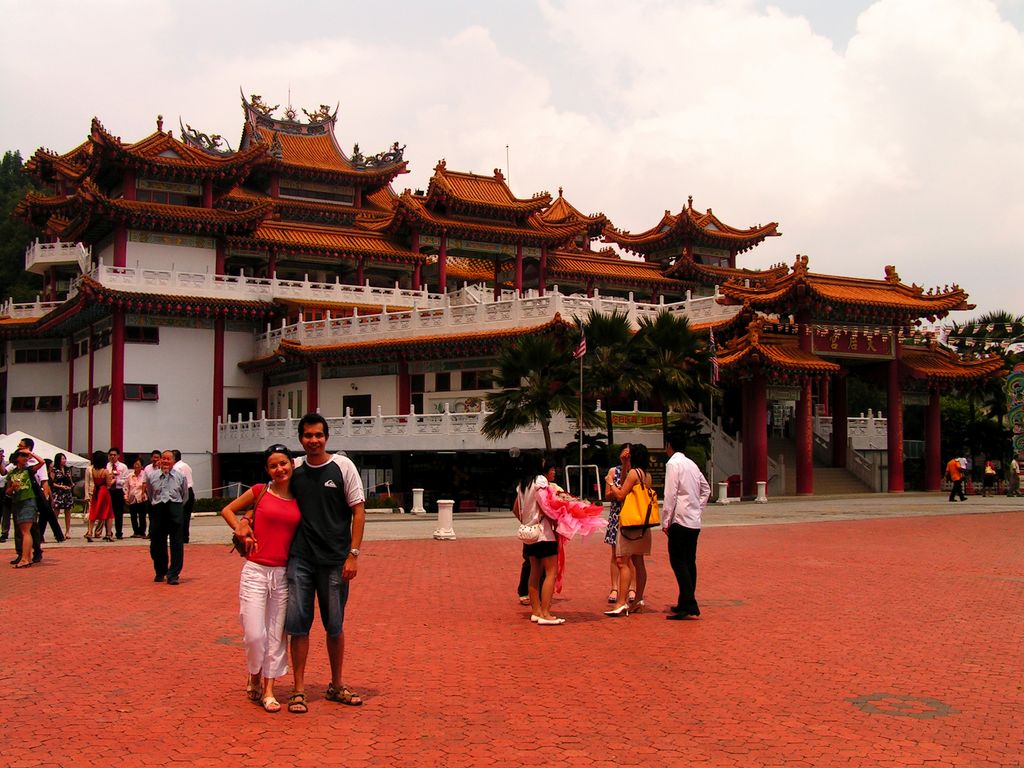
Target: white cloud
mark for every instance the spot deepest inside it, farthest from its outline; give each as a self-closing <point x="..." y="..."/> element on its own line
<point x="903" y="147"/>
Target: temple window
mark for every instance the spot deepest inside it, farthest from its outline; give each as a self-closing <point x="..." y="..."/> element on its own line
<point x="442" y="382"/>
<point x="50" y="403"/>
<point x="141" y="392"/>
<point x="324" y="193"/>
<point x="168" y="193"/>
<point x="44" y="355"/>
<point x="477" y="380"/>
<point x="22" y="404"/>
<point x="141" y="334"/>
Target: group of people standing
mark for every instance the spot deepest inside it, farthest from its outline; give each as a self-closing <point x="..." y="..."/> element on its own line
<point x="686" y="494"/>
<point x="301" y="533"/>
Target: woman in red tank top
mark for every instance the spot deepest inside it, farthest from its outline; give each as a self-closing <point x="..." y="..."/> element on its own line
<point x="263" y="589"/>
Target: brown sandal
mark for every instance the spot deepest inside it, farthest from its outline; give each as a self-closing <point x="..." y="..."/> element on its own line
<point x="344" y="695"/>
<point x="297" y="703"/>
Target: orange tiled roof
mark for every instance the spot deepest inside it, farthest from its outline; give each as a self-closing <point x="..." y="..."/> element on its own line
<point x="476" y="191"/>
<point x="561" y="211"/>
<point x="772" y="351"/>
<point x="413" y="348"/>
<point x="888" y="294"/>
<point x="689" y="226"/>
<point x="936" y="363"/>
<point x="70" y="165"/>
<point x="332" y="240"/>
<point x="611" y="268"/>
<point x="533" y="231"/>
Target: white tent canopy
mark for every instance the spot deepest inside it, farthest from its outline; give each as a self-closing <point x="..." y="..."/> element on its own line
<point x="43" y="449"/>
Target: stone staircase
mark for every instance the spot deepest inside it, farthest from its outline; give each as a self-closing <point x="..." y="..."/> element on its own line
<point x="828" y="481"/>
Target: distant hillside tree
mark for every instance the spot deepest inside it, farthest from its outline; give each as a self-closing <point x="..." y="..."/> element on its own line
<point x="15" y="235"/>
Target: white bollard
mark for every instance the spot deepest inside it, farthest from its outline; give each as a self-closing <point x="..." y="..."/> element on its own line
<point x="723" y="493"/>
<point x="762" y="492"/>
<point x="417" y="502"/>
<point x="445" y="531"/>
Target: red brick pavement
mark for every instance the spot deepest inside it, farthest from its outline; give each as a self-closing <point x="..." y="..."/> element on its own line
<point x="872" y="643"/>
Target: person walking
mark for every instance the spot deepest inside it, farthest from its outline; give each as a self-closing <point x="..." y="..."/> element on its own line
<point x="1013" y="486"/>
<point x="686" y="494"/>
<point x="954" y="473"/>
<point x="167" y="492"/>
<point x="101" y="511"/>
<point x="324" y="556"/>
<point x="263" y="587"/>
<point x="118" y="471"/>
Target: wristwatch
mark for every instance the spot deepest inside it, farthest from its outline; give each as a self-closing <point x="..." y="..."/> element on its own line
<point x="354" y="551"/>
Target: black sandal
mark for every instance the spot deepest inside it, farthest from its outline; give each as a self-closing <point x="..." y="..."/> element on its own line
<point x="344" y="695"/>
<point x="297" y="703"/>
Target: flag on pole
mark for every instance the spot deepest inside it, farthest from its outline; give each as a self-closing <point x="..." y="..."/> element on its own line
<point x="713" y="349"/>
<point x="581" y="348"/>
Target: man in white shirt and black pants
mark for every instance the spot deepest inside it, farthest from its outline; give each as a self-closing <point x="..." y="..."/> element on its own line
<point x="686" y="494"/>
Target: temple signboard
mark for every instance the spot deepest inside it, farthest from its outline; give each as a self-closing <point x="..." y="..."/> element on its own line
<point x="853" y="341"/>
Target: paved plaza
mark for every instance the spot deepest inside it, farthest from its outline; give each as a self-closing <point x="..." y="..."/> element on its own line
<point x="875" y="631"/>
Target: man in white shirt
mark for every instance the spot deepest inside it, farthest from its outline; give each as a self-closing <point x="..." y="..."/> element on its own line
<point x="119" y="471"/>
<point x="686" y="494"/>
<point x="186" y="471"/>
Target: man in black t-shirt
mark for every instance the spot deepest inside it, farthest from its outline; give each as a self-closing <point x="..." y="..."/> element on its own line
<point x="324" y="555"/>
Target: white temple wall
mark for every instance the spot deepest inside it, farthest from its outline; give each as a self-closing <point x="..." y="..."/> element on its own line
<point x="383" y="392"/>
<point x="182" y="367"/>
<point x="36" y="380"/>
<point x="182" y="253"/>
<point x="287" y="397"/>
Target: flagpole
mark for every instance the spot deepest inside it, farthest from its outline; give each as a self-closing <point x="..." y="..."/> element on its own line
<point x="581" y="427"/>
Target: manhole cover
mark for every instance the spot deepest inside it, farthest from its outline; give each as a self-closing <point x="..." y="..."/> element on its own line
<point x="895" y="705"/>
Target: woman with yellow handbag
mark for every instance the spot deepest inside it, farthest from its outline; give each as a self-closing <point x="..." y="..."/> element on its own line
<point x="638" y="514"/>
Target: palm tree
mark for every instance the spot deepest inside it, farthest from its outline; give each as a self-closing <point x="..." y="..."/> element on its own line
<point x="537" y="380"/>
<point x="673" y="356"/>
<point x="612" y="368"/>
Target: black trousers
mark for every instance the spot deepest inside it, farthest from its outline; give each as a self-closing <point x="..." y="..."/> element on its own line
<point x="682" y="556"/>
<point x="186" y="521"/>
<point x="957" y="490"/>
<point x="137" y="512"/>
<point x="165" y="524"/>
<point x="5" y="516"/>
<point x="117" y="502"/>
<point x="46" y="517"/>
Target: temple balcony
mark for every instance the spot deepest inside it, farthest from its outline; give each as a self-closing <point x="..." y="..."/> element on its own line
<point x="473" y="310"/>
<point x="412" y="432"/>
<point x="41" y="256"/>
<point x="27" y="311"/>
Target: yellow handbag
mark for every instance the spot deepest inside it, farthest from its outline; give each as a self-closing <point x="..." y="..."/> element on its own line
<point x="639" y="510"/>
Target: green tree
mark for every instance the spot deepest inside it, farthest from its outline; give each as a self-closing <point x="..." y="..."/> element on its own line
<point x="537" y="380"/>
<point x="612" y="368"/>
<point x="673" y="359"/>
<point x="15" y="235"/>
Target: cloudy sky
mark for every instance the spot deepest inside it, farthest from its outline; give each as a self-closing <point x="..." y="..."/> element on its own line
<point x="885" y="132"/>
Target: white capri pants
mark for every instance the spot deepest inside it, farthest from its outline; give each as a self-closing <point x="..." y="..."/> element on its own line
<point x="262" y="602"/>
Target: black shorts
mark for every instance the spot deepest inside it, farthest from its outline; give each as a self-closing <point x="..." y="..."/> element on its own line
<point x="541" y="549"/>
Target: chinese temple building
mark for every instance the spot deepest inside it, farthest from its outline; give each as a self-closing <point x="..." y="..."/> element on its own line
<point x="201" y="297"/>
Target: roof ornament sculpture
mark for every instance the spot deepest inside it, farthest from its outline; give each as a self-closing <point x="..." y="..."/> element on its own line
<point x="381" y="160"/>
<point x="891" y="275"/>
<point x="321" y="115"/>
<point x="213" y="143"/>
<point x="160" y="123"/>
<point x="256" y="102"/>
<point x="800" y="265"/>
<point x="276" y="151"/>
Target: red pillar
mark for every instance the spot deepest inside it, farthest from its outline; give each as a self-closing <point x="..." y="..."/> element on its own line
<point x="497" y="278"/>
<point x="129" y="189"/>
<point x="932" y="443"/>
<point x="894" y="431"/>
<point x="275" y="185"/>
<point x="117" y="378"/>
<point x="359" y="271"/>
<point x="218" y="395"/>
<point x="746" y="409"/>
<point x="417" y="276"/>
<point x="404" y="388"/>
<point x="218" y="268"/>
<point x="759" y="431"/>
<point x="840" y="424"/>
<point x="120" y="246"/>
<point x="805" y="439"/>
<point x="312" y="388"/>
<point x="519" y="269"/>
<point x="208" y="193"/>
<point x="92" y="369"/>
<point x="71" y="394"/>
<point x="442" y="264"/>
<point x="542" y="273"/>
<point x="271" y="263"/>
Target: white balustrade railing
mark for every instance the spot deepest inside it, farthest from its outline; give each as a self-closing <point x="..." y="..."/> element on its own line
<point x="410" y="432"/>
<point x="40" y="255"/>
<point x="482" y="314"/>
<point x="866" y="432"/>
<point x="865" y="470"/>
<point x="27" y="311"/>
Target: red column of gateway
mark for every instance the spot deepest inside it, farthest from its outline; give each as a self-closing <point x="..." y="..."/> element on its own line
<point x="804" y="440"/>
<point x="519" y="269"/>
<point x="117" y="378"/>
<point x="840" y="415"/>
<point x="759" y="431"/>
<point x="894" y="426"/>
<point x="442" y="264"/>
<point x="404" y="388"/>
<point x="932" y="443"/>
<point x="312" y="388"/>
<point x="747" y="469"/>
<point x="218" y="395"/>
